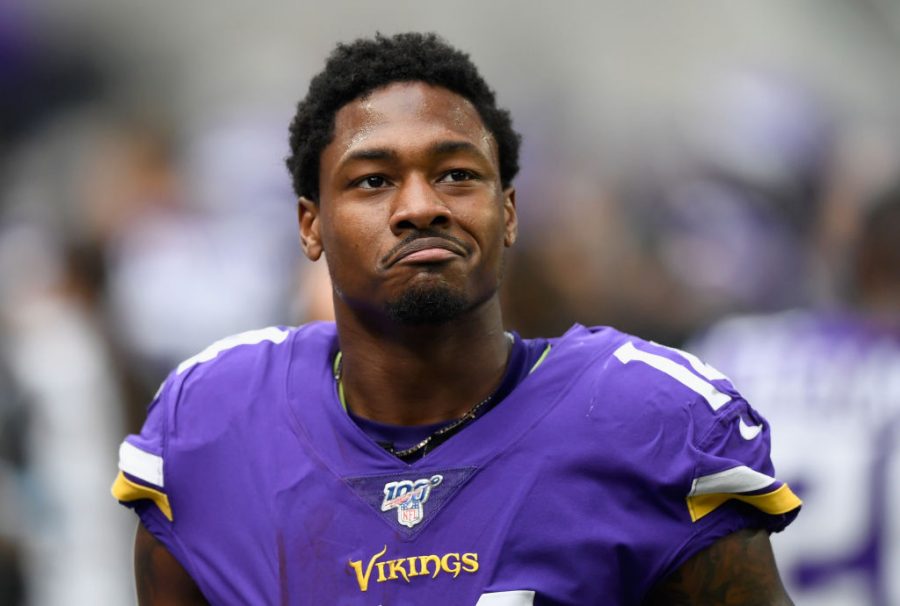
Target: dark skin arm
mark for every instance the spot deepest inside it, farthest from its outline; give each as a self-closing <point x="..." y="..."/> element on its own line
<point x="160" y="579"/>
<point x="736" y="570"/>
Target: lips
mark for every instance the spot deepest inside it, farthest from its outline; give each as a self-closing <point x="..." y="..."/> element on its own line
<point x="425" y="250"/>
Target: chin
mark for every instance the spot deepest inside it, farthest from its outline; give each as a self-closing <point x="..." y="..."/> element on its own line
<point x="433" y="304"/>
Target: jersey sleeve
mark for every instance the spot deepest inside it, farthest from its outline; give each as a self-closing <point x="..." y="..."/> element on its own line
<point x="205" y="444"/>
<point x="143" y="458"/>
<point x="734" y="464"/>
<point x="140" y="481"/>
<point x="144" y="482"/>
<point x="708" y="461"/>
<point x="729" y="450"/>
<point x="732" y="484"/>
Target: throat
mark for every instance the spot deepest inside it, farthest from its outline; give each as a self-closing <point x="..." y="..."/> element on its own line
<point x="409" y="442"/>
<point x="409" y="387"/>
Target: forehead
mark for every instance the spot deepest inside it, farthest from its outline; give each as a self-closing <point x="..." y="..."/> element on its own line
<point x="404" y="114"/>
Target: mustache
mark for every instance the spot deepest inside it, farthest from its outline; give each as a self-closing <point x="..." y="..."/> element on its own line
<point x="418" y="235"/>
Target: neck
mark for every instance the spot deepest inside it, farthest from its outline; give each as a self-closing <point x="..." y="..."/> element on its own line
<point x="416" y="375"/>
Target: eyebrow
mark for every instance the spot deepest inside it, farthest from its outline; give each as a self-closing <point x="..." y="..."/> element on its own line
<point x="445" y="148"/>
<point x="441" y="148"/>
<point x="370" y="154"/>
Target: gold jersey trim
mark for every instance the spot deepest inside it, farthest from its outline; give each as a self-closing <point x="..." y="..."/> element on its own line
<point x="125" y="490"/>
<point x="779" y="501"/>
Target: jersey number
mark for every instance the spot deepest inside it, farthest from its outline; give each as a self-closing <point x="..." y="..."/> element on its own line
<point x="714" y="397"/>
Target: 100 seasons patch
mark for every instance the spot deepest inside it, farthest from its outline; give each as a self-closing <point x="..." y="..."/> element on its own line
<point x="408" y="568"/>
<point x="409" y="498"/>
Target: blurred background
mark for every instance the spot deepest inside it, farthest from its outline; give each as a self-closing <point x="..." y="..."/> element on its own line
<point x="715" y="176"/>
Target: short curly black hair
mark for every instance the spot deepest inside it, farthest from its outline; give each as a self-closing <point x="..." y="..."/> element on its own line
<point x="353" y="70"/>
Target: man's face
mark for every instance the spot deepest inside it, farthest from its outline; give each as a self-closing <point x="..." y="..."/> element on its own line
<point x="412" y="216"/>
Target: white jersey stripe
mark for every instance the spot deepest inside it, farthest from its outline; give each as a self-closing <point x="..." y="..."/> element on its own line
<point x="140" y="464"/>
<point x="507" y="598"/>
<point x="734" y="480"/>
<point x="272" y="334"/>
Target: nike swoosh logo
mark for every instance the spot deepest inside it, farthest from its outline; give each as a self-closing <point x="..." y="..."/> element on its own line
<point x="748" y="432"/>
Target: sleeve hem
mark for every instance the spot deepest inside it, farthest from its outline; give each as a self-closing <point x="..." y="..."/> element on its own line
<point x="151" y="520"/>
<point x="731" y="517"/>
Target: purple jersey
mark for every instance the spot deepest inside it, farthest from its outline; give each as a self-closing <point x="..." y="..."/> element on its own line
<point x="596" y="477"/>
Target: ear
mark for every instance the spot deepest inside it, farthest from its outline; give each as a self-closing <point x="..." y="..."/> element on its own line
<point x="310" y="238"/>
<point x="510" y="216"/>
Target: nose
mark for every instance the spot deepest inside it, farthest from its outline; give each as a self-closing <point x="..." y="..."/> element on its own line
<point x="418" y="206"/>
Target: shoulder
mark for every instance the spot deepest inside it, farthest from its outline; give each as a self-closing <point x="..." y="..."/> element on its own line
<point x="239" y="373"/>
<point x="225" y="396"/>
<point x="695" y="430"/>
<point x="233" y="363"/>
<point x="646" y="381"/>
<point x="242" y="353"/>
<point x="235" y="377"/>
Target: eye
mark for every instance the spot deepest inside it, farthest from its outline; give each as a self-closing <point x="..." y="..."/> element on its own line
<point x="372" y="182"/>
<point x="456" y="176"/>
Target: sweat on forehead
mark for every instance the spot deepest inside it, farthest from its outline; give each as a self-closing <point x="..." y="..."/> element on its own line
<point x="356" y="69"/>
<point x="409" y="120"/>
<point x="399" y="100"/>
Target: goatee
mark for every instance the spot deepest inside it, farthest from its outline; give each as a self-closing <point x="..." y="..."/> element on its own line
<point x="427" y="305"/>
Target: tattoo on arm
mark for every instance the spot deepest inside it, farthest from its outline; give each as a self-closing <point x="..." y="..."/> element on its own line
<point x="736" y="570"/>
<point x="158" y="576"/>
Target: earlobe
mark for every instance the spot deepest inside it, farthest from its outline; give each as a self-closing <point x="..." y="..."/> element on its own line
<point x="512" y="219"/>
<point x="310" y="240"/>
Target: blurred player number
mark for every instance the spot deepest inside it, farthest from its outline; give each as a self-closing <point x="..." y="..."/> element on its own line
<point x="850" y="488"/>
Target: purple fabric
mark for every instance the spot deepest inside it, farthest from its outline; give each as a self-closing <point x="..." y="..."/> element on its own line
<point x="573" y="486"/>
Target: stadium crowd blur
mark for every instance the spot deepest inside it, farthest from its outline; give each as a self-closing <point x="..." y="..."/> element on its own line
<point x="703" y="178"/>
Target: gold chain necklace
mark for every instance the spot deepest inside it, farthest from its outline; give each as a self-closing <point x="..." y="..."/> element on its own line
<point x="440" y="435"/>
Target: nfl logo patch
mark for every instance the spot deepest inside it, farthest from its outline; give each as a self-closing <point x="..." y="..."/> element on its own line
<point x="410" y="513"/>
<point x="409" y="497"/>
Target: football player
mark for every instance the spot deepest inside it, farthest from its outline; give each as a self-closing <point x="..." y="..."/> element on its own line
<point x="415" y="452"/>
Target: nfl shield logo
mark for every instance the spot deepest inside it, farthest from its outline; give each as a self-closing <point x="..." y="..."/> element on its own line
<point x="409" y="497"/>
<point x="410" y="513"/>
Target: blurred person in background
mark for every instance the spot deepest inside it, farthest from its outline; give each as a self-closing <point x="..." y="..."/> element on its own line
<point x="829" y="379"/>
<point x="726" y="207"/>
<point x="13" y="428"/>
<point x="61" y="361"/>
<point x="192" y="239"/>
<point x="59" y="394"/>
<point x="730" y="184"/>
<point x="119" y="256"/>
